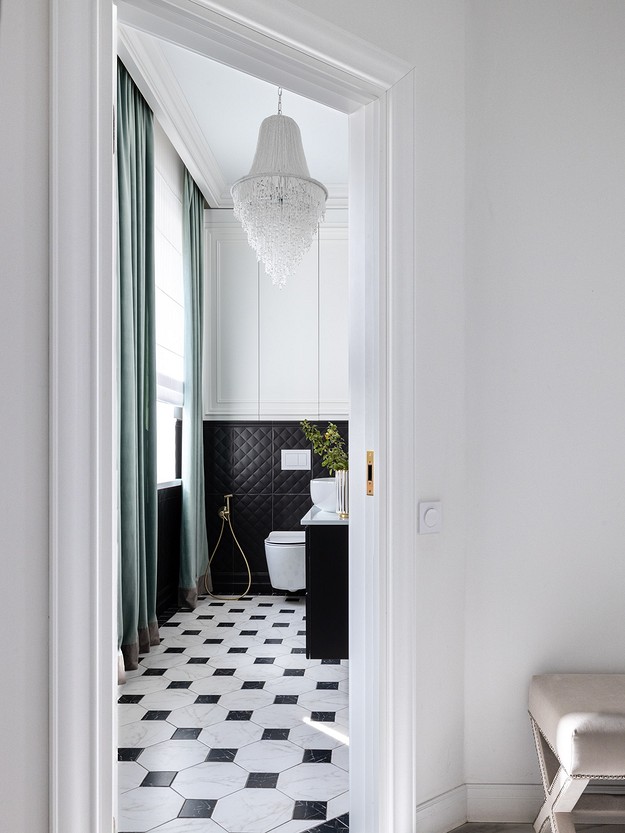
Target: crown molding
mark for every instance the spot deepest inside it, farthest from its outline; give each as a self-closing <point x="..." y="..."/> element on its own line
<point x="153" y="75"/>
<point x="271" y="40"/>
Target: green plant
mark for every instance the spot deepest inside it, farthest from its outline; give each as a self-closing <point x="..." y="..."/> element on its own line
<point x="329" y="445"/>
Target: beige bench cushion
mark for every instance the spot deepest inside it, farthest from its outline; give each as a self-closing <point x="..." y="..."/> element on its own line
<point x="582" y="717"/>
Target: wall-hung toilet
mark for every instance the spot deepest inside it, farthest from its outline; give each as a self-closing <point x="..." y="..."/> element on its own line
<point x="286" y="560"/>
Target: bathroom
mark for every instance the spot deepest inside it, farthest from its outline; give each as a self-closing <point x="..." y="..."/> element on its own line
<point x="256" y="393"/>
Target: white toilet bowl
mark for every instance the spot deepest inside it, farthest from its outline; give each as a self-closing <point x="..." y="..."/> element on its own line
<point x="286" y="560"/>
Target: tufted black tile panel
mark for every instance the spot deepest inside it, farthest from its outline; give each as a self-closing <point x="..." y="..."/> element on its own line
<point x="244" y="459"/>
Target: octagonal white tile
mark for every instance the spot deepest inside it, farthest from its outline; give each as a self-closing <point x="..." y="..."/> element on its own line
<point x="259" y="649"/>
<point x="246" y="699"/>
<point x="296" y="661"/>
<point x="213" y="779"/>
<point x="340" y="757"/>
<point x="279" y="715"/>
<point x="129" y="713"/>
<point x="313" y="782"/>
<point x="231" y="734"/>
<point x="144" y="685"/>
<point x="259" y="672"/>
<point x="173" y="755"/>
<point x="198" y="715"/>
<point x="269" y="756"/>
<point x="144" y="733"/>
<point x="191" y="826"/>
<point x="145" y="808"/>
<point x="327" y="672"/>
<point x="191" y="671"/>
<point x="230" y="660"/>
<point x="255" y="811"/>
<point x="170" y="698"/>
<point x="313" y="736"/>
<point x="216" y="685"/>
<point x="163" y="660"/>
<point x="321" y="700"/>
<point x="130" y="774"/>
<point x="290" y="685"/>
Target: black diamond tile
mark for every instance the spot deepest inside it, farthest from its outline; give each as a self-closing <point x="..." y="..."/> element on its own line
<point x="286" y="699"/>
<point x="237" y="650"/>
<point x="207" y="698"/>
<point x="154" y="672"/>
<point x="289" y="508"/>
<point x="239" y="715"/>
<point x="190" y="633"/>
<point x="213" y="641"/>
<point x="291" y="599"/>
<point x="253" y="684"/>
<point x="273" y="641"/>
<point x="252" y="459"/>
<point x="222" y="755"/>
<point x="258" y="616"/>
<point x="317" y="756"/>
<point x="281" y="625"/>
<point x="301" y="633"/>
<point x="128" y="753"/>
<point x="130" y="698"/>
<point x="217" y="604"/>
<point x="249" y="633"/>
<point x="225" y="624"/>
<point x="198" y="661"/>
<point x="174" y="651"/>
<point x="224" y="672"/>
<point x="330" y="661"/>
<point x="337" y="825"/>
<point x="310" y="810"/>
<point x="197" y="808"/>
<point x="170" y="625"/>
<point x="275" y="734"/>
<point x="323" y="717"/>
<point x="156" y="714"/>
<point x="158" y="779"/>
<point x="294" y="672"/>
<point x="283" y="610"/>
<point x="298" y="650"/>
<point x="206" y="616"/>
<point x="186" y="734"/>
<point x="179" y="684"/>
<point x="265" y="604"/>
<point x="264" y="660"/>
<point x="237" y="610"/>
<point x="262" y="780"/>
<point x="328" y="685"/>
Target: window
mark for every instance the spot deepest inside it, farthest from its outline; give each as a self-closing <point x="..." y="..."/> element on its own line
<point x="169" y="298"/>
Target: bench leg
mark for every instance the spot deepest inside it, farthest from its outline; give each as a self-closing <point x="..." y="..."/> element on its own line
<point x="562" y="792"/>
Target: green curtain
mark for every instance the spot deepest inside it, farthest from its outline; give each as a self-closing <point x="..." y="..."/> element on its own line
<point x="137" y="373"/>
<point x="193" y="540"/>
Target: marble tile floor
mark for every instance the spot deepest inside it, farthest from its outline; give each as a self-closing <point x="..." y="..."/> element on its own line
<point x="500" y="827"/>
<point x="226" y="727"/>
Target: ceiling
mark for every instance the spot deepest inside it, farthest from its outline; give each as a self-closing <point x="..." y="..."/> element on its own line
<point x="212" y="113"/>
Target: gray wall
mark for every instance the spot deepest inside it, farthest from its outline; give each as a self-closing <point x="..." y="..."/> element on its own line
<point x="23" y="413"/>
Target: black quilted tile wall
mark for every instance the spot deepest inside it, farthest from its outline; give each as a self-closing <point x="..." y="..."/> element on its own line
<point x="243" y="459"/>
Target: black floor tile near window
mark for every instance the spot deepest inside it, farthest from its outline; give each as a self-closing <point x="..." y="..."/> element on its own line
<point x="223" y="755"/>
<point x="128" y="754"/>
<point x="159" y="779"/>
<point x="310" y="810"/>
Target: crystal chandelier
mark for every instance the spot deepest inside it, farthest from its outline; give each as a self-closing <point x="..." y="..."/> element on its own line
<point x="277" y="203"/>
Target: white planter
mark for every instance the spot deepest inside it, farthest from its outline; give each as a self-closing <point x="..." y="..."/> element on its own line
<point x="323" y="493"/>
<point x="342" y="493"/>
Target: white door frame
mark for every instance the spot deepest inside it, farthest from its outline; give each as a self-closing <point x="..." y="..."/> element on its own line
<point x="83" y="511"/>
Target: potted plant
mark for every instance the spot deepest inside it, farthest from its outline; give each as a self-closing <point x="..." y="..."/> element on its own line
<point x="329" y="493"/>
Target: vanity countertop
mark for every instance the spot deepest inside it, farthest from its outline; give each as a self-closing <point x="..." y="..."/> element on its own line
<point x="318" y="517"/>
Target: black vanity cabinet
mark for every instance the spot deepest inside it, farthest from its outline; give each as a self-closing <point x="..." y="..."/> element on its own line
<point x="327" y="612"/>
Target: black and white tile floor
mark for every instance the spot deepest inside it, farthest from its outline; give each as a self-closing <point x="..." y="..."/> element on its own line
<point x="226" y="726"/>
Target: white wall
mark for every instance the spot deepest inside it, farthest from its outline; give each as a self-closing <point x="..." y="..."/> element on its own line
<point x="430" y="35"/>
<point x="23" y="414"/>
<point x="546" y="367"/>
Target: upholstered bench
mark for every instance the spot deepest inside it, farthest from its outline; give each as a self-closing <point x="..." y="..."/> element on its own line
<point x="578" y="722"/>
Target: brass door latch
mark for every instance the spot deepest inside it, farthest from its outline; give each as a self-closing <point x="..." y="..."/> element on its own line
<point x="369" y="472"/>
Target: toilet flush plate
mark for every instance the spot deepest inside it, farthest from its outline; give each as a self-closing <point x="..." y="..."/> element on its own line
<point x="293" y="459"/>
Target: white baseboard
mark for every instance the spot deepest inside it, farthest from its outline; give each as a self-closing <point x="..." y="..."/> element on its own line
<point x="443" y="813"/>
<point x="503" y="802"/>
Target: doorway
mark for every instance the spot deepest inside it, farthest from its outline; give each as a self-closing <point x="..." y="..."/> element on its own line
<point x="84" y="512"/>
